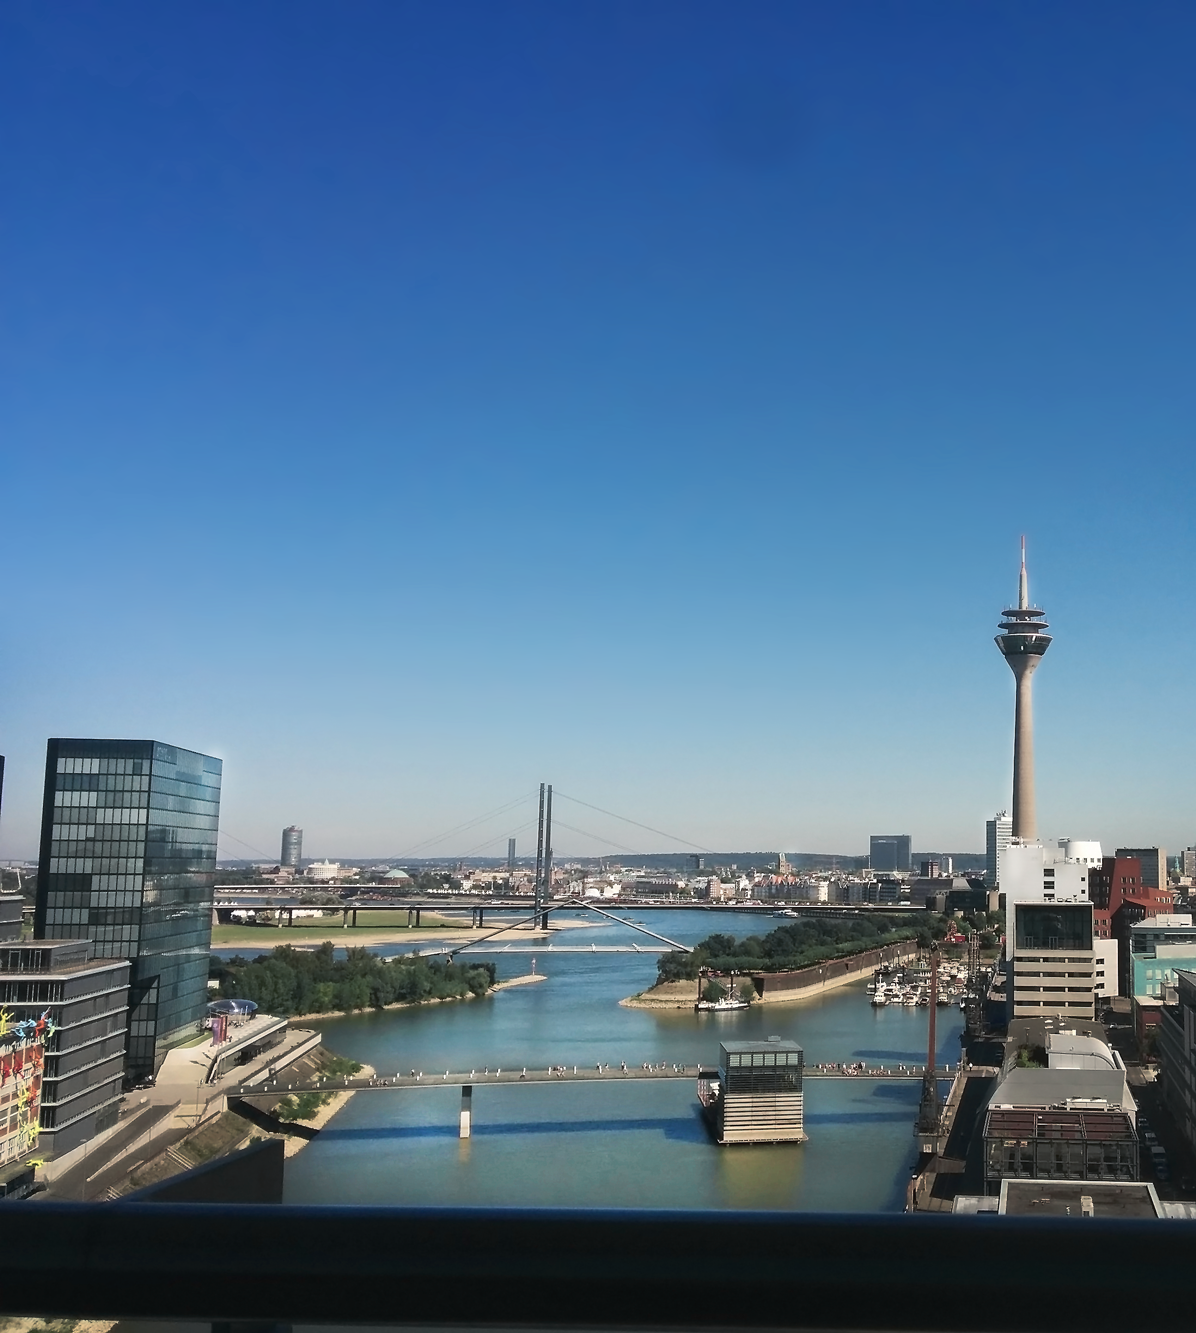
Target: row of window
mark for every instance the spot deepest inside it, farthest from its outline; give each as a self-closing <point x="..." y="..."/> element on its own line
<point x="82" y="785"/>
<point x="98" y="764"/>
<point x="67" y="865"/>
<point x="90" y="815"/>
<point x="107" y="800"/>
<point x="96" y="847"/>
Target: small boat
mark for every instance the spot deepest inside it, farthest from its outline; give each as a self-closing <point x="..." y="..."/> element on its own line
<point x="720" y="1006"/>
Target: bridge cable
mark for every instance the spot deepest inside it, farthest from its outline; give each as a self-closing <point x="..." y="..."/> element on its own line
<point x="462" y="828"/>
<point x="659" y="832"/>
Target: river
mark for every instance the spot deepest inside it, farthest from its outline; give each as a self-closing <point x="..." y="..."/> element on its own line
<point x="638" y="1145"/>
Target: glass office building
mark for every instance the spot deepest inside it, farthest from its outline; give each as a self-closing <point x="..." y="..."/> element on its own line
<point x="128" y="860"/>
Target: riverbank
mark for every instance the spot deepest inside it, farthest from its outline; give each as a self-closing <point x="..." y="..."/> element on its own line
<point x="295" y="1143"/>
<point x="264" y="938"/>
<point x="793" y="987"/>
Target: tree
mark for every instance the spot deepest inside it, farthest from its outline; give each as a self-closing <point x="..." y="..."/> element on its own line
<point x="746" y="989"/>
<point x="713" y="992"/>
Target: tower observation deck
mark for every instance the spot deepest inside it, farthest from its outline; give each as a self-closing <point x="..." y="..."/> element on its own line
<point x="1023" y="641"/>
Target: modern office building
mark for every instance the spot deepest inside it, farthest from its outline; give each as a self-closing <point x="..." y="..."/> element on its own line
<point x="86" y="1003"/>
<point x="757" y="1095"/>
<point x="128" y="859"/>
<point x="292" y="847"/>
<point x="1177" y="1051"/>
<point x="1153" y="861"/>
<point x="1122" y="899"/>
<point x="1023" y="641"/>
<point x="1161" y="947"/>
<point x="997" y="832"/>
<point x="1052" y="962"/>
<point x="889" y="852"/>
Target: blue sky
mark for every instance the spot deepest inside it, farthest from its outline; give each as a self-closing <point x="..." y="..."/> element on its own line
<point x="410" y="403"/>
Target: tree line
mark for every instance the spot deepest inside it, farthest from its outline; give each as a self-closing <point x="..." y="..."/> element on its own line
<point x="313" y="981"/>
<point x="801" y="943"/>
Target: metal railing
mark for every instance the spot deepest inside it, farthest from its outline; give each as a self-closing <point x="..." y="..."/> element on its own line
<point x="591" y="1269"/>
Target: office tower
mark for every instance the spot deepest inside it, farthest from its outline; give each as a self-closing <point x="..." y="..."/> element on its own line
<point x="1153" y="861"/>
<point x="1053" y="961"/>
<point x="1023" y="641"/>
<point x="510" y="856"/>
<point x="128" y="859"/>
<point x="889" y="851"/>
<point x="997" y="832"/>
<point x="292" y="847"/>
<point x="86" y="1003"/>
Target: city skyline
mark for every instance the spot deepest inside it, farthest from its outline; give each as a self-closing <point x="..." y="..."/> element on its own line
<point x="410" y="411"/>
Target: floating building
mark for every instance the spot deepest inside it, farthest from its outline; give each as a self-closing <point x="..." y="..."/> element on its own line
<point x="756" y="1095"/>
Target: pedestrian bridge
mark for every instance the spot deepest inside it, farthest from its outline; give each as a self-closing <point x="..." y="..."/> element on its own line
<point x="273" y="1085"/>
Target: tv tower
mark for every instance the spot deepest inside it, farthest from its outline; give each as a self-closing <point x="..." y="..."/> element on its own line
<point x="1023" y="641"/>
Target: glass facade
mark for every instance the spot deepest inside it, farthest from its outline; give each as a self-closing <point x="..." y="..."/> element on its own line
<point x="1061" y="926"/>
<point x="128" y="859"/>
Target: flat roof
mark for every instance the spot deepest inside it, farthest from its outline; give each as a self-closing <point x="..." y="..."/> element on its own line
<point x="1064" y="1198"/>
<point x="1086" y="1126"/>
<point x="1040" y="1088"/>
<point x="762" y="1047"/>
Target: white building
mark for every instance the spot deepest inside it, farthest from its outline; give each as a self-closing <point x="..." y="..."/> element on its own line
<point x="997" y="833"/>
<point x="1087" y="853"/>
<point x="1107" y="977"/>
<point x="1029" y="875"/>
<point x="323" y="870"/>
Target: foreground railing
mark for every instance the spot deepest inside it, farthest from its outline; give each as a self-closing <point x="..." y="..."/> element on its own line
<point x="591" y="1269"/>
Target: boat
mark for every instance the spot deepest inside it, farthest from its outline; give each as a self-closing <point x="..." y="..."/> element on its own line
<point x="721" y="1006"/>
<point x="879" y="1000"/>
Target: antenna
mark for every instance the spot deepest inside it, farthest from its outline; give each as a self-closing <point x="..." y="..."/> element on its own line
<point x="1023" y="586"/>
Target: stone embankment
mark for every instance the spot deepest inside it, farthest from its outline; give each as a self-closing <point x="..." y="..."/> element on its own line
<point x="782" y="987"/>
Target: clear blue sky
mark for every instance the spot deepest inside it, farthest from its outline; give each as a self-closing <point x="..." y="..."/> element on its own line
<point x="412" y="402"/>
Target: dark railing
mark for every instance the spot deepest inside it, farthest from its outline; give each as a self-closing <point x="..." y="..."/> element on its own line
<point x="591" y="1269"/>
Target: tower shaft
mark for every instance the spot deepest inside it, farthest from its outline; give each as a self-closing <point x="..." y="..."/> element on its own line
<point x="1025" y="820"/>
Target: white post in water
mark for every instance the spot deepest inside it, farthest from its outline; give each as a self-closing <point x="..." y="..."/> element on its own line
<point x="466" y="1110"/>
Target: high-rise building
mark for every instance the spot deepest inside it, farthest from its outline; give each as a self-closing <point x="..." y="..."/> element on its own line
<point x="1153" y="861"/>
<point x="889" y="851"/>
<point x="292" y="847"/>
<point x="128" y="859"/>
<point x="997" y="832"/>
<point x="1023" y="641"/>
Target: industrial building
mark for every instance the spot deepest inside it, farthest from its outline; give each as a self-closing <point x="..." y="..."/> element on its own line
<point x="86" y="1002"/>
<point x="756" y="1096"/>
<point x="128" y="860"/>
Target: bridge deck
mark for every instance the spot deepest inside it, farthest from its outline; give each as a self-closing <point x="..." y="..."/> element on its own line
<point x="519" y="1074"/>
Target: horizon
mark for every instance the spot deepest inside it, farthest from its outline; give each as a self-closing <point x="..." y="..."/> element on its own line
<point x="405" y="405"/>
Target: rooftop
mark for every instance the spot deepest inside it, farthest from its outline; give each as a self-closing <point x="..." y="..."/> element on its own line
<point x="1060" y="1198"/>
<point x="1025" y="1089"/>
